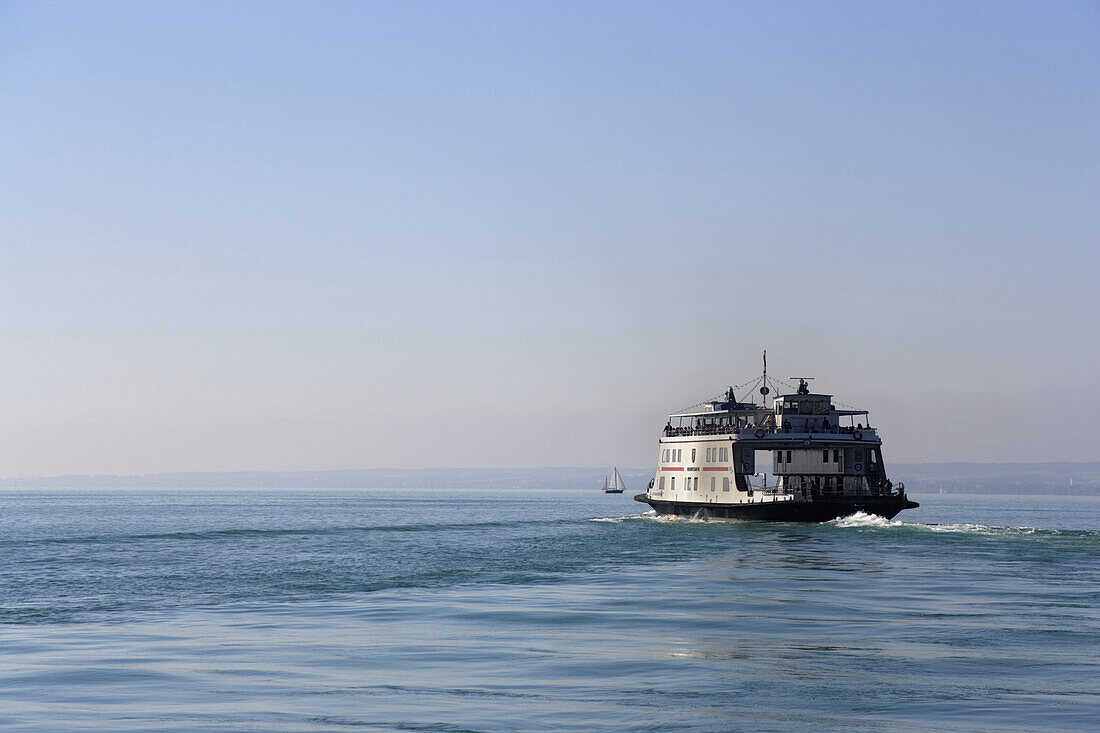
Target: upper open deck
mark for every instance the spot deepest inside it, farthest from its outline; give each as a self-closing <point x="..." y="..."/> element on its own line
<point x="795" y="414"/>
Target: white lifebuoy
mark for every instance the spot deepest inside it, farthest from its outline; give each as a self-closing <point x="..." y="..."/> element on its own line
<point x="859" y="468"/>
<point x="858" y="435"/>
<point x="760" y="432"/>
<point x="806" y="443"/>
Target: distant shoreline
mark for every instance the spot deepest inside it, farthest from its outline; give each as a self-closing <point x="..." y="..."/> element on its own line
<point x="1067" y="479"/>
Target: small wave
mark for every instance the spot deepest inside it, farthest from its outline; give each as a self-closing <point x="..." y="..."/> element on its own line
<point x="275" y="532"/>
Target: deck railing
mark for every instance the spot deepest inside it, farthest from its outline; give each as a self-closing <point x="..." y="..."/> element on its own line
<point x="768" y="429"/>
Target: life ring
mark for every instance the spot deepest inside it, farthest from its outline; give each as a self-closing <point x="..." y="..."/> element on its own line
<point x="760" y="433"/>
<point x="858" y="435"/>
<point x="858" y="467"/>
<point x="806" y="443"/>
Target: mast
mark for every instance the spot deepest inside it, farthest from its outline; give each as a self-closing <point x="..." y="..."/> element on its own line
<point x="764" y="388"/>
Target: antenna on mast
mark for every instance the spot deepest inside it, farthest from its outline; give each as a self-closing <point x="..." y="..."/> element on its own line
<point x="803" y="386"/>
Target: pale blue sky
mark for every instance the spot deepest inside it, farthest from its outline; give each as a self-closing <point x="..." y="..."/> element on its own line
<point x="350" y="235"/>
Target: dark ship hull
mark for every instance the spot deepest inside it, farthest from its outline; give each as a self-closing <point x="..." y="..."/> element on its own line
<point x="801" y="510"/>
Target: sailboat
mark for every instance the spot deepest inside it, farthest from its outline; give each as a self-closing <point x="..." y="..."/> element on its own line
<point x="616" y="485"/>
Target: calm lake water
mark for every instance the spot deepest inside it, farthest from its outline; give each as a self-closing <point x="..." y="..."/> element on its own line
<point x="429" y="610"/>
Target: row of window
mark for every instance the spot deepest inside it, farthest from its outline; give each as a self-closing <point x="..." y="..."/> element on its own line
<point x="718" y="454"/>
<point x="691" y="483"/>
<point x="824" y="456"/>
<point x="806" y="407"/>
<point x="674" y="455"/>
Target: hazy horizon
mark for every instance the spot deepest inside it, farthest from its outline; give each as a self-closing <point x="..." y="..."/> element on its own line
<point x="291" y="236"/>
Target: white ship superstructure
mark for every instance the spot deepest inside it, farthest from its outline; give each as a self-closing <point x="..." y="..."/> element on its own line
<point x="826" y="461"/>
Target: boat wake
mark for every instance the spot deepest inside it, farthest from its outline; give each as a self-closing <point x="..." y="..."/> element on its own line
<point x="653" y="516"/>
<point x="873" y="522"/>
<point x="644" y="515"/>
<point x="862" y="520"/>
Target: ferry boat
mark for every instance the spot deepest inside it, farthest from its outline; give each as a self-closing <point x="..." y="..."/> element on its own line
<point x="823" y="469"/>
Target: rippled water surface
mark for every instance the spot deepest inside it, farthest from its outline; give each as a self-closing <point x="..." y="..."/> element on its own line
<point x="569" y="611"/>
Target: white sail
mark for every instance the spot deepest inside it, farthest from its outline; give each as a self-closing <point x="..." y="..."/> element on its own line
<point x="617" y="480"/>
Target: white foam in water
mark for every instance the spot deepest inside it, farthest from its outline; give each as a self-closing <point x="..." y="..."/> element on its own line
<point x="863" y="519"/>
<point x="979" y="528"/>
<point x="958" y="527"/>
<point x="857" y="521"/>
<point x="644" y="515"/>
<point x="653" y="516"/>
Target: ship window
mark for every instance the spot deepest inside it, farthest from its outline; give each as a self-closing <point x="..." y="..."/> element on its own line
<point x="805" y="408"/>
<point x="708" y="455"/>
<point x="679" y="455"/>
<point x="725" y="454"/>
<point x="788" y="456"/>
<point x="836" y="456"/>
<point x="662" y="484"/>
<point x="695" y="482"/>
<point x="672" y="483"/>
<point x="819" y="408"/>
<point x="825" y="456"/>
<point x="725" y="483"/>
<point x="779" y="456"/>
<point x="712" y="483"/>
